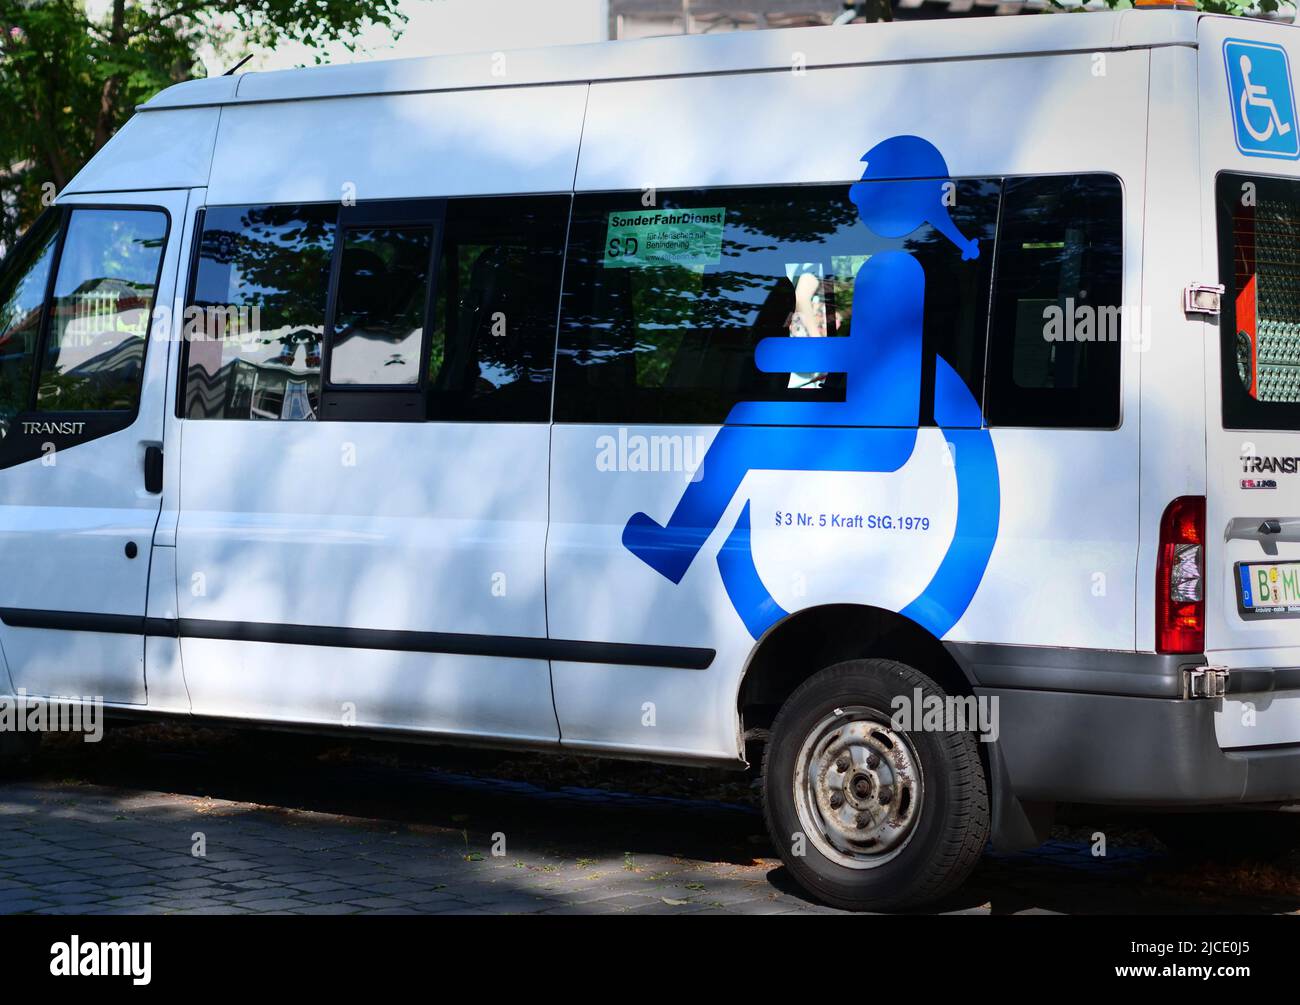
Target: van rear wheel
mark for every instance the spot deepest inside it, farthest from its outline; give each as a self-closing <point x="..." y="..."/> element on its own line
<point x="867" y="816"/>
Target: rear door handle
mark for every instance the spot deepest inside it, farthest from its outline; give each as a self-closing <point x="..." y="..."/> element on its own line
<point x="153" y="469"/>
<point x="1267" y="531"/>
<point x="1254" y="528"/>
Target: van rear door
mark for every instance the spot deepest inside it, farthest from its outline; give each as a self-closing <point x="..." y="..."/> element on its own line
<point x="1250" y="157"/>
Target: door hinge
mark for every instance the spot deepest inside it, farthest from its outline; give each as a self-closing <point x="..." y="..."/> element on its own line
<point x="1202" y="298"/>
<point x="1205" y="682"/>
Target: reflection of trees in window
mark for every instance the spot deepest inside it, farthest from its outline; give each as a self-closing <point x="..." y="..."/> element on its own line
<point x="493" y="340"/>
<point x="676" y="343"/>
<point x="22" y="293"/>
<point x="275" y="259"/>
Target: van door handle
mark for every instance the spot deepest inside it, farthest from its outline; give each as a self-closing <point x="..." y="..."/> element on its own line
<point x="153" y="469"/>
<point x="1268" y="532"/>
<point x="1254" y="528"/>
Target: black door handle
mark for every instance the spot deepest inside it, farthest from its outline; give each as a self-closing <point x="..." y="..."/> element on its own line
<point x="153" y="469"/>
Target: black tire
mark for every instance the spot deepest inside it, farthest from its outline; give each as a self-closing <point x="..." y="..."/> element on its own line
<point x="943" y="842"/>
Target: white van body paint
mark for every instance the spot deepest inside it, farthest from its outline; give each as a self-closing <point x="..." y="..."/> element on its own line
<point x="410" y="538"/>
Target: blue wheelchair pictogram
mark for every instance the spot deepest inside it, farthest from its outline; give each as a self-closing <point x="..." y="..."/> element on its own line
<point x="875" y="427"/>
<point x="1263" y="108"/>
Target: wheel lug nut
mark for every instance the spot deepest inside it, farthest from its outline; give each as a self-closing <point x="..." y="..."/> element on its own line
<point x="837" y="800"/>
<point x="863" y="821"/>
<point x="873" y="762"/>
<point x="886" y="794"/>
<point x="842" y="764"/>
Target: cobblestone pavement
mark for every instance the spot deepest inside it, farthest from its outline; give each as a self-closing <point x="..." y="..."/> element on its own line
<point x="291" y="826"/>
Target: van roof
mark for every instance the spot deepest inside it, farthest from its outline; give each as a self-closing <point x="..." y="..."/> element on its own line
<point x="690" y="55"/>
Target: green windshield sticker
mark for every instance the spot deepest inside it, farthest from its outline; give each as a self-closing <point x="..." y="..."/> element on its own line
<point x="645" y="238"/>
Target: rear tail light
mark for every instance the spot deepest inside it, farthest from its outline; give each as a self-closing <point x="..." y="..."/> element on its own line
<point x="1180" y="577"/>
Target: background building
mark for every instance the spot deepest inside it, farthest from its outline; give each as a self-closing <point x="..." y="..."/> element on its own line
<point x="639" y="18"/>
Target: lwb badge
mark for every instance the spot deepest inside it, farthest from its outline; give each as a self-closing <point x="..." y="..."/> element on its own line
<point x="1263" y="109"/>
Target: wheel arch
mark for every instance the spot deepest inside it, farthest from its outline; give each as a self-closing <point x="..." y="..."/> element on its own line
<point x="811" y="639"/>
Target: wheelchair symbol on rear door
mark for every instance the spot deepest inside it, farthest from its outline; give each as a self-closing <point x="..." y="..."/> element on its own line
<point x="1263" y="110"/>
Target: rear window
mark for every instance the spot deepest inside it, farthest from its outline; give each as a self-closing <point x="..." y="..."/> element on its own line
<point x="1259" y="252"/>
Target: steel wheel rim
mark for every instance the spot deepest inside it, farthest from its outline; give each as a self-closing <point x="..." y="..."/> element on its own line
<point x="858" y="788"/>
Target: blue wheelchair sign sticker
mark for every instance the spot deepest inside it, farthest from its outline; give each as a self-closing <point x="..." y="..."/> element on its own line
<point x="1263" y="109"/>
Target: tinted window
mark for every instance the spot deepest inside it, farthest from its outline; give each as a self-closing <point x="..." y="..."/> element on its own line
<point x="257" y="315"/>
<point x="1054" y="342"/>
<point x="382" y="296"/>
<point x="664" y="306"/>
<point x="22" y="294"/>
<point x="1259" y="241"/>
<point x="103" y="301"/>
<point x="492" y="346"/>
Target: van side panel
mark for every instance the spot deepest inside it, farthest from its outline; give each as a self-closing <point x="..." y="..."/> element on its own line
<point x="1058" y="114"/>
<point x="154" y="150"/>
<point x="401" y="527"/>
<point x="409" y="527"/>
<point x="506" y="141"/>
<point x="1062" y="570"/>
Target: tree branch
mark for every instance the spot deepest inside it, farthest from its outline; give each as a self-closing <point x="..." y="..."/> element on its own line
<point x="112" y="84"/>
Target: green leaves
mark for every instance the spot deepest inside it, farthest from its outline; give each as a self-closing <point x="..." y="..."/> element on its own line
<point x="68" y="81"/>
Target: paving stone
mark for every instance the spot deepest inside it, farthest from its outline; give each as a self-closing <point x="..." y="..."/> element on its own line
<point x="22" y="906"/>
<point x="64" y="850"/>
<point x="273" y="904"/>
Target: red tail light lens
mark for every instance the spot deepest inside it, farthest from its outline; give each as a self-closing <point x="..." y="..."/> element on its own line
<point x="1180" y="577"/>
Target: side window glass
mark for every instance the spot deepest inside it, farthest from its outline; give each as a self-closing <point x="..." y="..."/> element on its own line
<point x="1054" y="341"/>
<point x="1259" y="265"/>
<point x="492" y="347"/>
<point x="257" y="316"/>
<point x="382" y="297"/>
<point x="22" y="294"/>
<point x="103" y="301"/>
<point x="665" y="307"/>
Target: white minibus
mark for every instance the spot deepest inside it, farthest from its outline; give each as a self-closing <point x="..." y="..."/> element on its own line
<point x="909" y="410"/>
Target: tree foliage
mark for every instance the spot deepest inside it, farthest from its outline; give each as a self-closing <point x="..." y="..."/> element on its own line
<point x="70" y="79"/>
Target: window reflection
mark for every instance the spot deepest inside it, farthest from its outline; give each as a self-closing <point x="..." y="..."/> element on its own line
<point x="1054" y="354"/>
<point x="22" y="293"/>
<point x="665" y="329"/>
<point x="493" y="341"/>
<point x="258" y="313"/>
<point x="379" y="322"/>
<point x="103" y="301"/>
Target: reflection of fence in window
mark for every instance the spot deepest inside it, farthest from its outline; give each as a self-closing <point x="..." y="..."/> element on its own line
<point x="104" y="310"/>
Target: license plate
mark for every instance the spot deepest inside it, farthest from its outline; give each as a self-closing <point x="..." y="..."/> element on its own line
<point x="1269" y="587"/>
